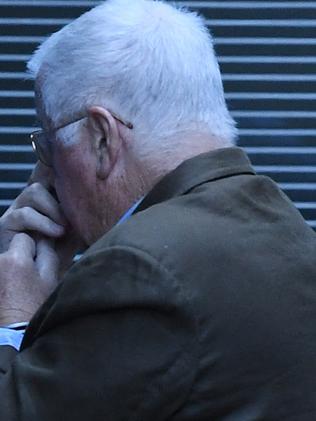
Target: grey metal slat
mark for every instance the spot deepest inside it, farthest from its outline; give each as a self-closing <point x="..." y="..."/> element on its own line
<point x="211" y="22"/>
<point x="17" y="111"/>
<point x="193" y="4"/>
<point x="4" y="39"/>
<point x="272" y="114"/>
<point x="310" y="23"/>
<point x="34" y="21"/>
<point x="16" y="130"/>
<point x="269" y="77"/>
<point x="271" y="95"/>
<point x="49" y="3"/>
<point x="265" y="59"/>
<point x="249" y="4"/>
<point x="264" y="41"/>
<point x="17" y="94"/>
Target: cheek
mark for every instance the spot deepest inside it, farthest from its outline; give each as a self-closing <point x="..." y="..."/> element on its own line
<point x="73" y="181"/>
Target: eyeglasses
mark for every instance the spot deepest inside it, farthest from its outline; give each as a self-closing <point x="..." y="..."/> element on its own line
<point x="42" y="144"/>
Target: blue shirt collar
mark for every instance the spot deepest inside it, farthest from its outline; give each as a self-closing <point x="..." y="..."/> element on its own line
<point x="130" y="211"/>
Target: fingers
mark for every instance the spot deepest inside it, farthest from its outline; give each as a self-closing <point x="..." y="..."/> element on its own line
<point x="28" y="219"/>
<point x="37" y="197"/>
<point x="22" y="247"/>
<point x="36" y="210"/>
<point x="47" y="261"/>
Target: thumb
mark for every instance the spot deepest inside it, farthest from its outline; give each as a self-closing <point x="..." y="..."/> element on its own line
<point x="23" y="246"/>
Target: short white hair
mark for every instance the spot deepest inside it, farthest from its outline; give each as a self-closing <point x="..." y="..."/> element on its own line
<point x="151" y="63"/>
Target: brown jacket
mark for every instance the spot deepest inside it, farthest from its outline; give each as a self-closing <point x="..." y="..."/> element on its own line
<point x="202" y="306"/>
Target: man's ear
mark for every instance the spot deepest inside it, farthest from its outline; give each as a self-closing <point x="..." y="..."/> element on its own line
<point x="106" y="139"/>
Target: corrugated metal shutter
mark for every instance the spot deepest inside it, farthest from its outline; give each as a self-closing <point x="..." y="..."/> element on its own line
<point x="267" y="52"/>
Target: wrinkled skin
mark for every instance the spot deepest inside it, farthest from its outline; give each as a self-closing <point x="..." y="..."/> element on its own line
<point x="96" y="178"/>
<point x="25" y="260"/>
<point x="37" y="246"/>
<point x="37" y="212"/>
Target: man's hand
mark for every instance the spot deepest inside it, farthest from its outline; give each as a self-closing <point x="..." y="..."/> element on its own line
<point x="35" y="209"/>
<point x="28" y="275"/>
<point x="37" y="212"/>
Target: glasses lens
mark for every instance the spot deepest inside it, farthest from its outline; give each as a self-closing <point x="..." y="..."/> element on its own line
<point x="41" y="147"/>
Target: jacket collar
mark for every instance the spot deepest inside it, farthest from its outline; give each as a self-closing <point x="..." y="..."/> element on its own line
<point x="200" y="169"/>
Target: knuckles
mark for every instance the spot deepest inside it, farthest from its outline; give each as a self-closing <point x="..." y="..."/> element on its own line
<point x="21" y="215"/>
<point x="13" y="262"/>
<point x="32" y="192"/>
<point x="35" y="188"/>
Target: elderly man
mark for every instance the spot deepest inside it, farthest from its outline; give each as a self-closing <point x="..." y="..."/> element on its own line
<point x="196" y="296"/>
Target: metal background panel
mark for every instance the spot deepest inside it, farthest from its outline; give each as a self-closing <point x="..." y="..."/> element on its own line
<point x="267" y="54"/>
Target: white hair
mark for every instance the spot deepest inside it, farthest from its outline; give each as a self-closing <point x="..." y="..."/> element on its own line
<point x="151" y="63"/>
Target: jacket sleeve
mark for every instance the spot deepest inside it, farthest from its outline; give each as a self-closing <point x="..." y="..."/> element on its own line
<point x="116" y="341"/>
